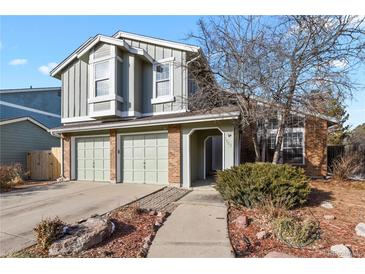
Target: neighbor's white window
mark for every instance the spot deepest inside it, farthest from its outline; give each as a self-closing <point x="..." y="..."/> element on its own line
<point x="293" y="148"/>
<point x="163" y="81"/>
<point x="102" y="78"/>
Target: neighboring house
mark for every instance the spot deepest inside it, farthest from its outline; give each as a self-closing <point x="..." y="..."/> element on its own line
<point x="42" y="104"/>
<point x="18" y="136"/>
<point x="25" y="116"/>
<point x="126" y="119"/>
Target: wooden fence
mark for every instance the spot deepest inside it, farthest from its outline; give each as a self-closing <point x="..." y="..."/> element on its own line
<point x="44" y="164"/>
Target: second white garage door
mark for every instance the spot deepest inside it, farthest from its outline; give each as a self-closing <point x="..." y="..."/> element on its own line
<point x="144" y="158"/>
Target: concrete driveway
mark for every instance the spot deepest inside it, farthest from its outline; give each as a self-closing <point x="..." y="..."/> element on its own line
<point x="22" y="209"/>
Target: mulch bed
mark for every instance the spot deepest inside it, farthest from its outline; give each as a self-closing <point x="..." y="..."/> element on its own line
<point x="132" y="226"/>
<point x="348" y="199"/>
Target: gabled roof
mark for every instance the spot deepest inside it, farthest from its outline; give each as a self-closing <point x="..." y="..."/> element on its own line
<point x="92" y="43"/>
<point x="157" y="41"/>
<point x="22" y="119"/>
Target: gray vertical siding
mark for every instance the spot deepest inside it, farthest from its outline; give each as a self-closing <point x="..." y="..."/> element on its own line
<point x="17" y="139"/>
<point x="137" y="84"/>
<point x="75" y="90"/>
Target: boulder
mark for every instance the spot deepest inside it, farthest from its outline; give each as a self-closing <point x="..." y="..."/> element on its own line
<point x="241" y="221"/>
<point x="341" y="251"/>
<point x="275" y="254"/>
<point x="329" y="217"/>
<point x="262" y="235"/>
<point x="360" y="229"/>
<point x="327" y="205"/>
<point x="82" y="236"/>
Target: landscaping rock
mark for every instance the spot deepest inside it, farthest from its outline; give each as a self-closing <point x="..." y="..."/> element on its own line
<point x="341" y="251"/>
<point x="275" y="254"/>
<point x="360" y="229"/>
<point x="262" y="235"/>
<point x="329" y="217"/>
<point x="326" y="204"/>
<point x="241" y="221"/>
<point x="82" y="236"/>
<point x="152" y="212"/>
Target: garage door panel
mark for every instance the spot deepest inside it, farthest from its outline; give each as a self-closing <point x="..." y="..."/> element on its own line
<point x="144" y="158"/>
<point x="92" y="158"/>
<point x="150" y="152"/>
<point x="151" y="177"/>
<point x="89" y="174"/>
<point x="162" y="177"/>
<point x="99" y="153"/>
<point x="162" y="165"/>
<point x="150" y="165"/>
<point x="138" y="176"/>
<point x="138" y="153"/>
<point x="99" y="175"/>
<point x="138" y="164"/>
<point x="162" y="153"/>
<point x="89" y="154"/>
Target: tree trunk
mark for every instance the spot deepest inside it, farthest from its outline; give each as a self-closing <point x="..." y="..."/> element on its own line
<point x="284" y="121"/>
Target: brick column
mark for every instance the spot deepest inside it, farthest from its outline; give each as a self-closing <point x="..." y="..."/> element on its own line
<point x="113" y="155"/>
<point x="174" y="136"/>
<point x="66" y="139"/>
<point x="315" y="146"/>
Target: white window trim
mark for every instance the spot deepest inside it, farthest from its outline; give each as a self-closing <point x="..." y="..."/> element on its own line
<point x="166" y="98"/>
<point x="113" y="96"/>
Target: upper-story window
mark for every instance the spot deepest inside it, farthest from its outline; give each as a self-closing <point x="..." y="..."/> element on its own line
<point x="102" y="74"/>
<point x="163" y="81"/>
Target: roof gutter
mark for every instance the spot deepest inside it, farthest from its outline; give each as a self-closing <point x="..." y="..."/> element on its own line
<point x="179" y="120"/>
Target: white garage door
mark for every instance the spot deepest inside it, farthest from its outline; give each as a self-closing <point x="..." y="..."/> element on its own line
<point x="144" y="158"/>
<point x="92" y="159"/>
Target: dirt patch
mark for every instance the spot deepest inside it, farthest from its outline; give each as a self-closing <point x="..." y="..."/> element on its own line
<point x="348" y="199"/>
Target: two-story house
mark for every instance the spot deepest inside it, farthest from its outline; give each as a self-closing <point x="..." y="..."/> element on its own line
<point x="126" y="119"/>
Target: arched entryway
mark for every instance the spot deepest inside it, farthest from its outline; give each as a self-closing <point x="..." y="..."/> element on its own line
<point x="206" y="155"/>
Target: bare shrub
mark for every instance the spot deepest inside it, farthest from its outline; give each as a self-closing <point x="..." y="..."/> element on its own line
<point x="11" y="175"/>
<point x="296" y="232"/>
<point x="347" y="166"/>
<point x="48" y="230"/>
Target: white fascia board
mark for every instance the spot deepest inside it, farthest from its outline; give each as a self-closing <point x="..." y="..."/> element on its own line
<point x="161" y="42"/>
<point x="69" y="59"/>
<point x="91" y="43"/>
<point x="21" y="119"/>
<point x="141" y="52"/>
<point x="167" y="121"/>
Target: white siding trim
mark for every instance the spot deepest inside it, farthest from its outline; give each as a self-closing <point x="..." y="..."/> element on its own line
<point x="29" y="109"/>
<point x="16" y="120"/>
<point x="76" y="119"/>
<point x="156" y="41"/>
<point x="179" y="120"/>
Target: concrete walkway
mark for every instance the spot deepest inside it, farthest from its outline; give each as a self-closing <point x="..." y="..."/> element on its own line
<point x="21" y="210"/>
<point x="197" y="228"/>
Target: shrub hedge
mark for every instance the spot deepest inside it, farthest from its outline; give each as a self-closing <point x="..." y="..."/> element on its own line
<point x="252" y="183"/>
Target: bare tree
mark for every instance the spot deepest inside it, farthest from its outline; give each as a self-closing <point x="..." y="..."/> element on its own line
<point x="298" y="63"/>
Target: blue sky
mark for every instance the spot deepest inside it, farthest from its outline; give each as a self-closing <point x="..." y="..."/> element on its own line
<point x="31" y="45"/>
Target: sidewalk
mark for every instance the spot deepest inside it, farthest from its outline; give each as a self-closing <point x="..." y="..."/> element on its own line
<point x="197" y="228"/>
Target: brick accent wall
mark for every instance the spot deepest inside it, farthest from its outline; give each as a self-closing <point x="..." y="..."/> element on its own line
<point x="315" y="146"/>
<point x="113" y="155"/>
<point x="66" y="139"/>
<point x="174" y="162"/>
